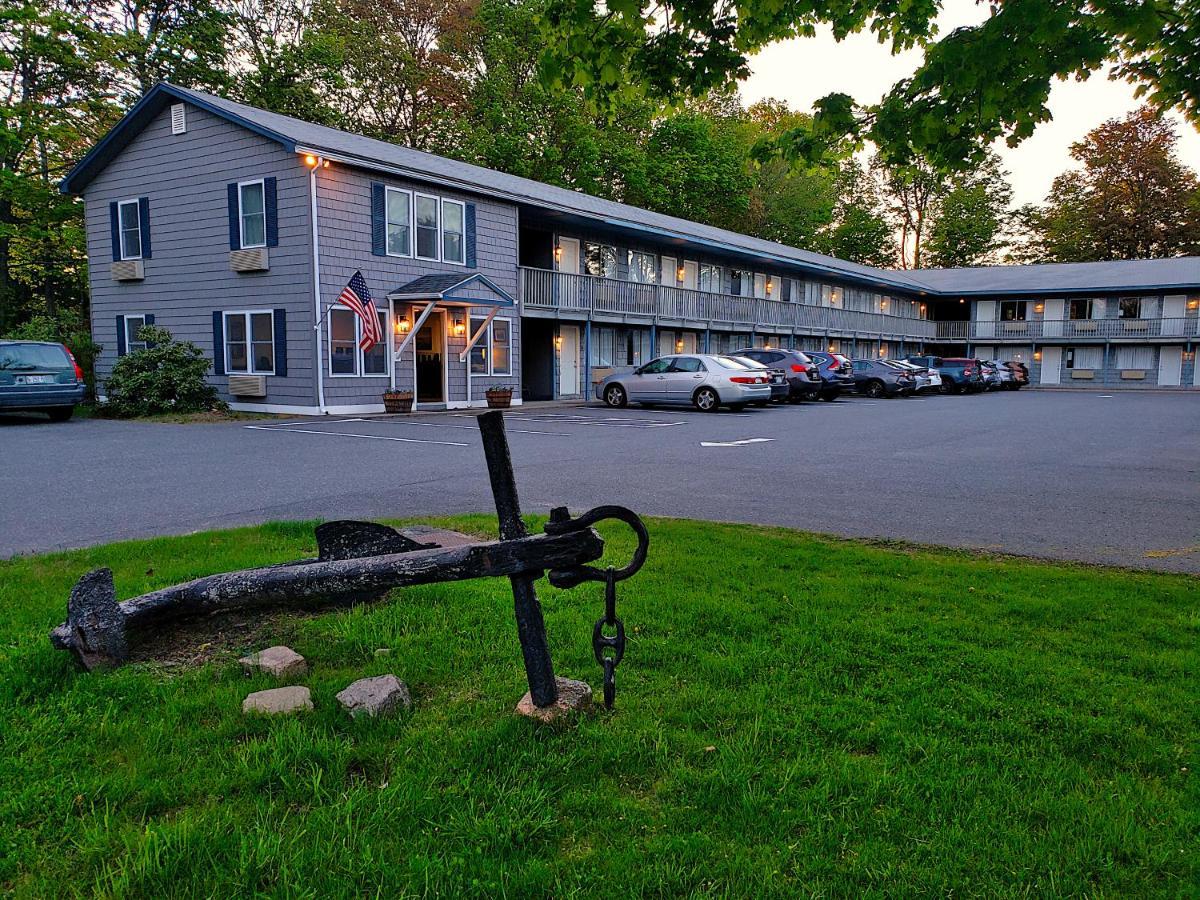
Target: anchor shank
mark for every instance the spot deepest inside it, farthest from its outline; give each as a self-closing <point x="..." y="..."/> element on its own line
<point x="531" y="627"/>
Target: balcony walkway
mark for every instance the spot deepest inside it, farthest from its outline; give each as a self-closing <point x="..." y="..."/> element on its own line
<point x="1077" y="330"/>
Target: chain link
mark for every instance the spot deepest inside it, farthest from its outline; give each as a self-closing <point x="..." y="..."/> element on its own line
<point x="602" y="642"/>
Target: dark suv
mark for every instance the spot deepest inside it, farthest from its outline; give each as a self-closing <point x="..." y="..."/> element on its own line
<point x="877" y="379"/>
<point x="39" y="377"/>
<point x="836" y="372"/>
<point x="804" y="381"/>
<point x="958" y="373"/>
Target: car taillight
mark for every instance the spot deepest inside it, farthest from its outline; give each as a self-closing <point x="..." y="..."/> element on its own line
<point x="796" y="367"/>
<point x="748" y="379"/>
<point x="968" y="371"/>
<point x="78" y="371"/>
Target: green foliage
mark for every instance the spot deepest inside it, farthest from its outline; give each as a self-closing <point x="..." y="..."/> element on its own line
<point x="971" y="218"/>
<point x="866" y="721"/>
<point x="68" y="329"/>
<point x="166" y="377"/>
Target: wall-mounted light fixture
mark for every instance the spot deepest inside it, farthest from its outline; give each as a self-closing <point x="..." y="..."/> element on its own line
<point x="1194" y="303"/>
<point x="1039" y="307"/>
<point x="310" y="160"/>
<point x="558" y="253"/>
<point x="883" y="351"/>
<point x="1189" y="355"/>
<point x="770" y="286"/>
<point x="679" y="345"/>
<point x="961" y="300"/>
<point x="1037" y="355"/>
<point x="403" y="326"/>
<point x="460" y="327"/>
<point x="680" y="273"/>
<point x="558" y="342"/>
<point x="883" y="303"/>
<point x="922" y="309"/>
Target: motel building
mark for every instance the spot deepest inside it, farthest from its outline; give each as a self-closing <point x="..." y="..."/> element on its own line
<point x="237" y="229"/>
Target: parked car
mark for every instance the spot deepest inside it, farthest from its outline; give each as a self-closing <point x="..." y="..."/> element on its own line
<point x="958" y="373"/>
<point x="990" y="371"/>
<point x="1020" y="373"/>
<point x="780" y="389"/>
<point x="803" y="378"/>
<point x="926" y="379"/>
<point x="39" y="377"/>
<point x="701" y="380"/>
<point x="876" y="378"/>
<point x="835" y="371"/>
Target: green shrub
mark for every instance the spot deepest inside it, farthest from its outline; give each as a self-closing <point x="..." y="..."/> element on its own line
<point x="67" y="328"/>
<point x="166" y="377"/>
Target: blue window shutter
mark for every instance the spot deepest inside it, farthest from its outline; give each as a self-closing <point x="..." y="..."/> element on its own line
<point x="144" y="224"/>
<point x="115" y="230"/>
<point x="235" y="232"/>
<point x="149" y="320"/>
<point x="218" y="343"/>
<point x="281" y="342"/>
<point x="470" y="235"/>
<point x="272" y="211"/>
<point x="120" y="335"/>
<point x="378" y="223"/>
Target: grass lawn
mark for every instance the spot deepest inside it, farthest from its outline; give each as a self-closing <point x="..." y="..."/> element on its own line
<point x="795" y="715"/>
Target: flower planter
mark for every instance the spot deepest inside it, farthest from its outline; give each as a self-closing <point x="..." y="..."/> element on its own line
<point x="499" y="398"/>
<point x="397" y="401"/>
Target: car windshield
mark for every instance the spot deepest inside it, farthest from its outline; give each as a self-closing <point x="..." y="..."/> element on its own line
<point x="730" y="362"/>
<point x="33" y="356"/>
<point x="749" y="363"/>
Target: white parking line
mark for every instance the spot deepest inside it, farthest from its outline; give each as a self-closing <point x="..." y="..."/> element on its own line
<point x="595" y="421"/>
<point x="306" y="422"/>
<point x="736" y="443"/>
<point x="465" y="427"/>
<point x="365" y="437"/>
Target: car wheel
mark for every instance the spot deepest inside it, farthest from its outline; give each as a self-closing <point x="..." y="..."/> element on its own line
<point x="60" y="413"/>
<point x="614" y="396"/>
<point x="873" y="389"/>
<point x="706" y="400"/>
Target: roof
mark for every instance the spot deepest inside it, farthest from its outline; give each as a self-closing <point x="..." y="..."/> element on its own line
<point x="297" y="135"/>
<point x="461" y="287"/>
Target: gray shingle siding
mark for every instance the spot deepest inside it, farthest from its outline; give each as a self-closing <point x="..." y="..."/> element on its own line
<point x="185" y="178"/>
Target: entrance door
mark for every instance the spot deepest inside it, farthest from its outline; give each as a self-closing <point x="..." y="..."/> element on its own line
<point x="568" y="361"/>
<point x="690" y="273"/>
<point x="667" y="271"/>
<point x="1170" y="366"/>
<point x="1051" y="361"/>
<point x="430" y="347"/>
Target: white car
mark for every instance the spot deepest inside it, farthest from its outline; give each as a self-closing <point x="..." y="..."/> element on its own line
<point x="701" y="380"/>
<point x="926" y="379"/>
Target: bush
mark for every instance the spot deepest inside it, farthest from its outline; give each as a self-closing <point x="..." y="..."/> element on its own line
<point x="69" y="329"/>
<point x="166" y="377"/>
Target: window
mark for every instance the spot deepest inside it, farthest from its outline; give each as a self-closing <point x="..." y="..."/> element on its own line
<point x="131" y="229"/>
<point x="492" y="353"/>
<point x="760" y="285"/>
<point x="687" y="364"/>
<point x="1012" y="311"/>
<point x="657" y="366"/>
<point x="345" y="355"/>
<point x="1130" y="308"/>
<point x="453" y="229"/>
<point x="1079" y="308"/>
<point x="710" y="278"/>
<point x="427" y="226"/>
<point x="133" y="325"/>
<point x="600" y="260"/>
<point x="1085" y="357"/>
<point x="740" y="282"/>
<point x="398" y="219"/>
<point x="643" y="267"/>
<point x="1135" y="357"/>
<point x="479" y="353"/>
<point x="250" y="343"/>
<point x="252" y="210"/>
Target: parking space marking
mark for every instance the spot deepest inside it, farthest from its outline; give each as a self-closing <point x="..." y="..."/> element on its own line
<point x="305" y="422"/>
<point x="411" y="424"/>
<point x="736" y="443"/>
<point x="365" y="437"/>
<point x="595" y="421"/>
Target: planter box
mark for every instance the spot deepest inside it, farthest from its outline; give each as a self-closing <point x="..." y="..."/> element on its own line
<point x="499" y="399"/>
<point x="398" y="403"/>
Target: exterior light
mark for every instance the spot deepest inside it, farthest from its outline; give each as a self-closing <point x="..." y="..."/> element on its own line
<point x="325" y="164"/>
<point x="883" y="351"/>
<point x="1189" y="355"/>
<point x="310" y="160"/>
<point x="558" y="342"/>
<point x="922" y="307"/>
<point x="1194" y="303"/>
<point x="883" y="303"/>
<point x="402" y="326"/>
<point x="770" y="286"/>
<point x="1037" y="355"/>
<point x="558" y="253"/>
<point x="680" y="273"/>
<point x="961" y="300"/>
<point x="460" y="328"/>
<point x="679" y="345"/>
<point x="1039" y="307"/>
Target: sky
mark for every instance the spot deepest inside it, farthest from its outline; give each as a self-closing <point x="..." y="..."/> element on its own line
<point x="800" y="71"/>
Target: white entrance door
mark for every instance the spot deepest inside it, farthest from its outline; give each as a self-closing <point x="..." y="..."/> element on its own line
<point x="568" y="361"/>
<point x="1170" y="366"/>
<point x="568" y="255"/>
<point x="567" y="289"/>
<point x="1051" y="363"/>
<point x="691" y="273"/>
<point x="668" y="271"/>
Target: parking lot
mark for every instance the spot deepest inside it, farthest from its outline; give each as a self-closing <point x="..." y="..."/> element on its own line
<point x="1075" y="475"/>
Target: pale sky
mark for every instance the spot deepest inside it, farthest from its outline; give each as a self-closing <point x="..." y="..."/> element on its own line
<point x="804" y="69"/>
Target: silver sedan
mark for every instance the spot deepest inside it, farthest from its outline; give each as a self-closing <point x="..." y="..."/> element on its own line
<point x="704" y="381"/>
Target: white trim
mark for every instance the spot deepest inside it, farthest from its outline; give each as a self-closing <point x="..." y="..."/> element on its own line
<point x="316" y="270"/>
<point x="437" y="204"/>
<point x="125" y="317"/>
<point x="178" y="118"/>
<point x="136" y="203"/>
<point x="492" y="349"/>
<point x="417" y="326"/>
<point x="412" y="221"/>
<point x="287" y="409"/>
<point x="473" y="339"/>
<point x="247" y="313"/>
<point x="462" y="235"/>
<point x="359" y="355"/>
<point x="242" y="218"/>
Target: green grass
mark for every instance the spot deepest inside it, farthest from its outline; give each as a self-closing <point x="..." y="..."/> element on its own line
<point x="796" y="715"/>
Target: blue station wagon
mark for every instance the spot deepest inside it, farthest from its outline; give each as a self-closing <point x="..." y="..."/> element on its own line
<point x="39" y="377"/>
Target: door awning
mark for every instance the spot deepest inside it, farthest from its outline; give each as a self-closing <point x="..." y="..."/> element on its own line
<point x="454" y="289"/>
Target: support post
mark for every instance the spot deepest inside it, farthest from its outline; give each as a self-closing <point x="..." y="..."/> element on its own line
<point x="531" y="627"/>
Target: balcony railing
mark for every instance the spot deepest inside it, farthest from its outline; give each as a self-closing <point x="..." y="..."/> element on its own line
<point x="587" y="294"/>
<point x="1074" y="329"/>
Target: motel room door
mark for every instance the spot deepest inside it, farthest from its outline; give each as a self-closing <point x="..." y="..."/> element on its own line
<point x="1051" y="361"/>
<point x="430" y="346"/>
<point x="568" y="360"/>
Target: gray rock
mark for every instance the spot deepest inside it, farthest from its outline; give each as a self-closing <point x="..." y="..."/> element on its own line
<point x="282" y="662"/>
<point x="572" y="696"/>
<point x="378" y="696"/>
<point x="294" y="698"/>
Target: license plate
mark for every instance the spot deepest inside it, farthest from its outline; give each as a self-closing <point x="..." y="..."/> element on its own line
<point x="35" y="379"/>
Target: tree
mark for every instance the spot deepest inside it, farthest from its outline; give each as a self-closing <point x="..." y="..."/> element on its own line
<point x="859" y="229"/>
<point x="971" y="218"/>
<point x="911" y="194"/>
<point x="1131" y="198"/>
<point x="974" y="85"/>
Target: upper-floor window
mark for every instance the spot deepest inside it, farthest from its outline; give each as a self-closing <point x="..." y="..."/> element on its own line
<point x="399" y="222"/>
<point x="600" y="260"/>
<point x="1012" y="311"/>
<point x="1130" y="307"/>
<point x="830" y="295"/>
<point x="129" y="219"/>
<point x="760" y="285"/>
<point x="1079" y="308"/>
<point x="252" y="212"/>
<point x="427" y="226"/>
<point x="453" y="230"/>
<point x="250" y="342"/>
<point x="643" y="267"/>
<point x="710" y="278"/>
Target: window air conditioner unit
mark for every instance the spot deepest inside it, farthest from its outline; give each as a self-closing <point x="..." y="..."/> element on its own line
<point x="128" y="270"/>
<point x="248" y="385"/>
<point x="1083" y="374"/>
<point x="252" y="260"/>
<point x="1133" y="374"/>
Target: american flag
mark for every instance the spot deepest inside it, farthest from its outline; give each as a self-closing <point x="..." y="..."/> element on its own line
<point x="357" y="296"/>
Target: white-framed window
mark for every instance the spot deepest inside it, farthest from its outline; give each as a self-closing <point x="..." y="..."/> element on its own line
<point x="643" y="267"/>
<point x="710" y="278"/>
<point x="1130" y="308"/>
<point x="1080" y="308"/>
<point x="252" y="213"/>
<point x="428" y="226"/>
<point x="133" y="324"/>
<point x="760" y="285"/>
<point x="129" y="221"/>
<point x="346" y="357"/>
<point x="1135" y="358"/>
<point x="398" y="221"/>
<point x="600" y="260"/>
<point x="454" y="230"/>
<point x="492" y="353"/>
<point x="1085" y="357"/>
<point x="250" y="342"/>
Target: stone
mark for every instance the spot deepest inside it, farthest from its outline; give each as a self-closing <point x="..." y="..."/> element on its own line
<point x="282" y="662"/>
<point x="294" y="698"/>
<point x="378" y="696"/>
<point x="572" y="696"/>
